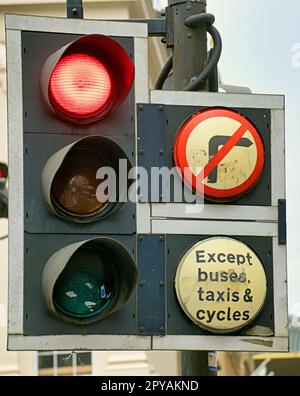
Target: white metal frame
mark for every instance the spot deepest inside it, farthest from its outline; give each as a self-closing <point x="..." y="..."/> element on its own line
<point x="231" y="220"/>
<point x="15" y="24"/>
<point x="181" y="215"/>
<point x="277" y="343"/>
<point x="150" y="218"/>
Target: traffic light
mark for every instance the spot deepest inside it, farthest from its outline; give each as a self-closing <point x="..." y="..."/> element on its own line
<point x="74" y="129"/>
<point x="225" y="230"/>
<point x="197" y="260"/>
<point x="3" y="190"/>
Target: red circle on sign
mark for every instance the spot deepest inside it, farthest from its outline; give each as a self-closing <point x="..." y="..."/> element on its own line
<point x="196" y="182"/>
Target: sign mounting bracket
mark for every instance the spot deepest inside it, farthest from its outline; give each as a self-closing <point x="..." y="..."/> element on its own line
<point x="282" y="226"/>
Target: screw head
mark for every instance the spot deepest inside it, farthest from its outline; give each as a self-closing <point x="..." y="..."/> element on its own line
<point x="142" y="283"/>
<point x="162" y="284"/>
<point x="142" y="329"/>
<point x="141" y="152"/>
<point x="162" y="329"/>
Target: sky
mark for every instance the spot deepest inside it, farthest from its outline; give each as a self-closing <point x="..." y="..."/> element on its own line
<point x="261" y="50"/>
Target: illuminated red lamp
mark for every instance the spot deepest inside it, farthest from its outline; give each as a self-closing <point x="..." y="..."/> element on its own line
<point x="88" y="78"/>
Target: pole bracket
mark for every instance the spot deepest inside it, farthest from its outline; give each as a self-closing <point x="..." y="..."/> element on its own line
<point x="74" y="9"/>
<point x="282" y="225"/>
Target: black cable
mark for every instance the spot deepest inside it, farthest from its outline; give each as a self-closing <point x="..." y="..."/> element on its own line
<point x="199" y="19"/>
<point x="215" y="55"/>
<point x="164" y="73"/>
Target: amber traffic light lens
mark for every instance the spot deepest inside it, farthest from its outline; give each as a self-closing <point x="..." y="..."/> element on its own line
<point x="74" y="187"/>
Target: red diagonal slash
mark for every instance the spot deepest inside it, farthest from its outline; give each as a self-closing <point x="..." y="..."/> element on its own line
<point x="214" y="162"/>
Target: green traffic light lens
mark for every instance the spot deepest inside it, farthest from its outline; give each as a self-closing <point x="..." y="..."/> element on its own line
<point x="87" y="286"/>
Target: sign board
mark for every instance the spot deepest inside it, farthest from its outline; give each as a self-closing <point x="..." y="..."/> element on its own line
<point x="221" y="284"/>
<point x="223" y="152"/>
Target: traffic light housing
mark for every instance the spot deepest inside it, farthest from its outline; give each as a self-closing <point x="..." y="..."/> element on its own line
<point x="213" y="134"/>
<point x="74" y="226"/>
<point x="87" y="273"/>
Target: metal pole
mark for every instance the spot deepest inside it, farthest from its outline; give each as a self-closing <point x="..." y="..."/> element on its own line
<point x="189" y="60"/>
<point x="74" y="9"/>
<point x="189" y="44"/>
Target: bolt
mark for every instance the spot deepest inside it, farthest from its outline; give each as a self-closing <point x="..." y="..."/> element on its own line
<point x="142" y="329"/>
<point x="162" y="238"/>
<point x="188" y="7"/>
<point x="74" y="11"/>
<point x="161" y="152"/>
<point x="162" y="284"/>
<point x="141" y="238"/>
<point x="189" y="35"/>
<point x="160" y="108"/>
<point x="141" y="107"/>
<point x="162" y="329"/>
<point x="142" y="283"/>
<point x="141" y="152"/>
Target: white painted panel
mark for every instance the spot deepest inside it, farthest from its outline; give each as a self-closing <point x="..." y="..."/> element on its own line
<point x="196" y="227"/>
<point x="278" y="156"/>
<point x="221" y="343"/>
<point x="143" y="219"/>
<point x="226" y="212"/>
<point x="75" y="26"/>
<point x="75" y="342"/>
<point x="280" y="289"/>
<point x="217" y="99"/>
<point x="16" y="200"/>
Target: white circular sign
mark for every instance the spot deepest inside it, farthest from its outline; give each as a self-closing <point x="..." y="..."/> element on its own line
<point x="221" y="284"/>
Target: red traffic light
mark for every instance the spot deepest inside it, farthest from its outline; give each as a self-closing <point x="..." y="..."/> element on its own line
<point x="87" y="78"/>
<point x="80" y="86"/>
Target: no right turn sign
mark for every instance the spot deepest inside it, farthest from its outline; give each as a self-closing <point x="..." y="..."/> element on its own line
<point x="220" y="153"/>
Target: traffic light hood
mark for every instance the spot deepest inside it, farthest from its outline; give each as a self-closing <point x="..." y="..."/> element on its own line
<point x="70" y="183"/>
<point x="87" y="78"/>
<point x="87" y="281"/>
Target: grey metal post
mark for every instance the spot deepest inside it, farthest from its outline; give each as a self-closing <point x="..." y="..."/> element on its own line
<point x="189" y="44"/>
<point x="189" y="60"/>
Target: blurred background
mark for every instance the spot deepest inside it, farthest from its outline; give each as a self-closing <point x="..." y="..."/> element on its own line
<point x="261" y="50"/>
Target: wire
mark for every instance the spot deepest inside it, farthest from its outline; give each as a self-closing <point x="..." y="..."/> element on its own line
<point x="196" y="84"/>
<point x="3" y="237"/>
<point x="215" y="55"/>
<point x="164" y="73"/>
